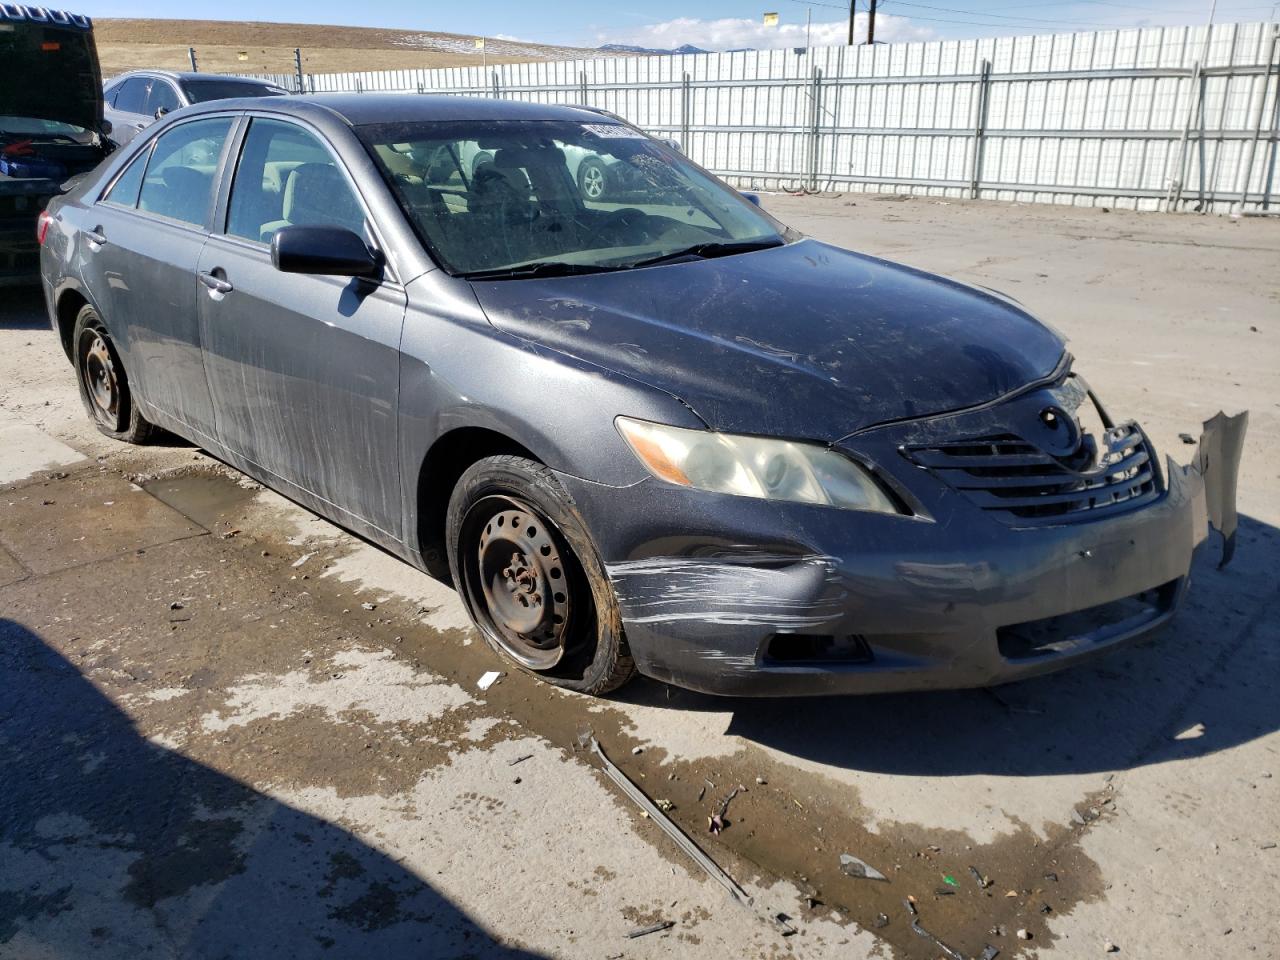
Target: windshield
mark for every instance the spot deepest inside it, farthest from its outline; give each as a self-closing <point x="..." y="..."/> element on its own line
<point x="200" y="91"/>
<point x="504" y="197"/>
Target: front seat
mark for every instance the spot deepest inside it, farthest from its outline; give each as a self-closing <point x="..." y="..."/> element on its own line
<point x="316" y="195"/>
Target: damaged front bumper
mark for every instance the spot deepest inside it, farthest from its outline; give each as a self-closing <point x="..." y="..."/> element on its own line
<point x="729" y="595"/>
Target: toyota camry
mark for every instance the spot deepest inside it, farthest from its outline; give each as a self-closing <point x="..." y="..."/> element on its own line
<point x="648" y="429"/>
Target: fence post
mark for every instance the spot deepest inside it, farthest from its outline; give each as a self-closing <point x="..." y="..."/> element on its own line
<point x="497" y="88"/>
<point x="980" y="130"/>
<point x="1257" y="127"/>
<point x="686" y="107"/>
<point x="815" y="122"/>
<point x="582" y="87"/>
<point x="297" y="66"/>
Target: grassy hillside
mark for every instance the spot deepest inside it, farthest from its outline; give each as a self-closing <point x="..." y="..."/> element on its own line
<point x="250" y="47"/>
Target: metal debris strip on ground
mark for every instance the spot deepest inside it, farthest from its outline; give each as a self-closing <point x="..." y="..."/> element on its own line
<point x="669" y="827"/>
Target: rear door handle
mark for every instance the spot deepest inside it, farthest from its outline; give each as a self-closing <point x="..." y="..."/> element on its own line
<point x="95" y="236"/>
<point x="216" y="284"/>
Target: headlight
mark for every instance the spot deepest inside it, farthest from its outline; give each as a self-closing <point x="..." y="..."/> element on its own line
<point x="753" y="466"/>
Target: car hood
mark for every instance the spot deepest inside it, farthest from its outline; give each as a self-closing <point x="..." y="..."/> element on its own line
<point x="804" y="340"/>
<point x="50" y="72"/>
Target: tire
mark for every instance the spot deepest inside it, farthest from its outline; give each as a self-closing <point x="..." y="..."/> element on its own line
<point x="481" y="159"/>
<point x="594" y="181"/>
<point x="104" y="388"/>
<point x="530" y="577"/>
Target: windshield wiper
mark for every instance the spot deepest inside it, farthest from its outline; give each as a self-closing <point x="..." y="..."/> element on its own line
<point x="539" y="268"/>
<point x="705" y="251"/>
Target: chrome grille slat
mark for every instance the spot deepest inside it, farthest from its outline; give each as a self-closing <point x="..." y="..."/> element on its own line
<point x="1013" y="479"/>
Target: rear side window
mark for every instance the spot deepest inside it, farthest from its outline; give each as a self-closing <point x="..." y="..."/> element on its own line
<point x="287" y="177"/>
<point x="125" y="190"/>
<point x="179" y="179"/>
<point x="162" y="97"/>
<point x="110" y="93"/>
<point x="132" y="95"/>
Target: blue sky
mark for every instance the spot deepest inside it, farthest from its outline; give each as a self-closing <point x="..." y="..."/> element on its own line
<point x="718" y="24"/>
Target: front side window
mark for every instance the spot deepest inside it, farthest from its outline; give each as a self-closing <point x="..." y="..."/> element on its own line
<point x="179" y="178"/>
<point x="504" y="198"/>
<point x="287" y="177"/>
<point x="162" y="97"/>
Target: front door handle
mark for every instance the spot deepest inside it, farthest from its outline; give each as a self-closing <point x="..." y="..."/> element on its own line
<point x="216" y="284"/>
<point x="95" y="236"/>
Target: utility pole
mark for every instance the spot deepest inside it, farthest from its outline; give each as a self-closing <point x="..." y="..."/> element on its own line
<point x="852" y="5"/>
<point x="191" y="54"/>
<point x="871" y="23"/>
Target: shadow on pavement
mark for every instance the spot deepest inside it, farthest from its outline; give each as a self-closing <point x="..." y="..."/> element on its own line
<point x="113" y="846"/>
<point x="1214" y="665"/>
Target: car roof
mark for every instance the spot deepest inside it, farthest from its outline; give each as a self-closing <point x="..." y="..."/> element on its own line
<point x="368" y="108"/>
<point x="189" y="75"/>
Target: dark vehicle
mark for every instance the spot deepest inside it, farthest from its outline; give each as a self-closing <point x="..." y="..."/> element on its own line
<point x="669" y="434"/>
<point x="51" y="125"/>
<point x="137" y="99"/>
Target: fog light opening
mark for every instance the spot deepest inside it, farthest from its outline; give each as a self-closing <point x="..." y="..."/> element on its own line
<point x="797" y="649"/>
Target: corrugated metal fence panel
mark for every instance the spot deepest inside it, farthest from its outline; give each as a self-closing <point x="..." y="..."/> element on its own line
<point x="1126" y="117"/>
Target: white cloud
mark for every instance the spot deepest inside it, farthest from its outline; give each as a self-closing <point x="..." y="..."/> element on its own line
<point x="735" y="33"/>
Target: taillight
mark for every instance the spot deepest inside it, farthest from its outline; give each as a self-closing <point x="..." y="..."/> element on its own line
<point x="42" y="226"/>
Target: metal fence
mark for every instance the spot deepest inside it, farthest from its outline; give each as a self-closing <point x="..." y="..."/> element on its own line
<point x="1151" y="118"/>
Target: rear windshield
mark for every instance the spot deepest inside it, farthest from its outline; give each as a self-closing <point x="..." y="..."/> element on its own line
<point x="199" y="91"/>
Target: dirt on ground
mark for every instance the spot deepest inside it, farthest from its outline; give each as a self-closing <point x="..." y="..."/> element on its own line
<point x="230" y="46"/>
<point x="229" y="728"/>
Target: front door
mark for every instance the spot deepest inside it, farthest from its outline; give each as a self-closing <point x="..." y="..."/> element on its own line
<point x="304" y="370"/>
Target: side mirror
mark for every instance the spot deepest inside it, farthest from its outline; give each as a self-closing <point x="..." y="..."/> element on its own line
<point x="673" y="143"/>
<point x="105" y="127"/>
<point x="161" y="111"/>
<point x="326" y="251"/>
<point x="753" y="197"/>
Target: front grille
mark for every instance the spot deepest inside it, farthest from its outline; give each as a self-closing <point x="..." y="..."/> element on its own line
<point x="1018" y="482"/>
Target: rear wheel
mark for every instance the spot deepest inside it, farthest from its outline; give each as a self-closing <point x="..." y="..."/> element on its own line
<point x="529" y="575"/>
<point x="104" y="388"/>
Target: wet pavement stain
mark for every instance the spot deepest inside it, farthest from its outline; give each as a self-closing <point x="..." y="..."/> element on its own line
<point x="794" y="826"/>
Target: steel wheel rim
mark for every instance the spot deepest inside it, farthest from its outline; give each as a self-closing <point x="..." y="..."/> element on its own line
<point x="593" y="182"/>
<point x="100" y="380"/>
<point x="518" y="576"/>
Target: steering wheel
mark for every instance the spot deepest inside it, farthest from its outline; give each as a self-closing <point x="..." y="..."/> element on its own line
<point x="615" y="218"/>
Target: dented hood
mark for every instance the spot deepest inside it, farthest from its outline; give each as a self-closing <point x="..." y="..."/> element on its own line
<point x="804" y="340"/>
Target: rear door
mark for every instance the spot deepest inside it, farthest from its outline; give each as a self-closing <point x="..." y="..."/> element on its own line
<point x="303" y="370"/>
<point x="140" y="262"/>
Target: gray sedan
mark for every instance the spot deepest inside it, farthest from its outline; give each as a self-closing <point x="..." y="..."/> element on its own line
<point x="135" y="100"/>
<point x="668" y="434"/>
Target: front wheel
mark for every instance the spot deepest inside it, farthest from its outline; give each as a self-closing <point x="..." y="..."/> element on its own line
<point x="593" y="179"/>
<point x="530" y="577"/>
<point x="104" y="388"/>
